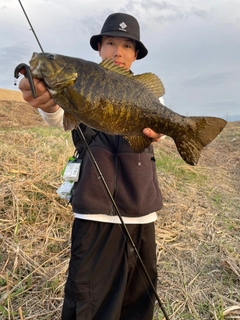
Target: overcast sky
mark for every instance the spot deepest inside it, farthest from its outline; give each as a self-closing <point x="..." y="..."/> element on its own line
<point x="194" y="45"/>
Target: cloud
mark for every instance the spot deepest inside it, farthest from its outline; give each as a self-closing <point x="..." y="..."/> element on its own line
<point x="163" y="11"/>
<point x="11" y="56"/>
<point x="193" y="45"/>
<point x="209" y="79"/>
<point x="203" y="14"/>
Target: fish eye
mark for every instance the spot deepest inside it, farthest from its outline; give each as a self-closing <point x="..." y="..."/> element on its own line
<point x="51" y="56"/>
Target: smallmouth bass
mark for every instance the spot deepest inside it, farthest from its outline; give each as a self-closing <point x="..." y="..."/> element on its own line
<point x="111" y="99"/>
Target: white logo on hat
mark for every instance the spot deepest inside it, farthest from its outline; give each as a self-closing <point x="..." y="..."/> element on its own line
<point x="123" y="26"/>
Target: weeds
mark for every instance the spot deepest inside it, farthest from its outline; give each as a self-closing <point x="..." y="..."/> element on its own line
<point x="197" y="231"/>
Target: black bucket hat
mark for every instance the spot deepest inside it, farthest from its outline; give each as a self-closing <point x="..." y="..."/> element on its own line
<point x="121" y="25"/>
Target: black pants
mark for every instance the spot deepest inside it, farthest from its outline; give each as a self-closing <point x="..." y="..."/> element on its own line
<point x="105" y="280"/>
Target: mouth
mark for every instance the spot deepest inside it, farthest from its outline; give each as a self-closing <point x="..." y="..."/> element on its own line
<point x="119" y="63"/>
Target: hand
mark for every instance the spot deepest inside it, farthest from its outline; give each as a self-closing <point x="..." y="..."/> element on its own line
<point x="152" y="134"/>
<point x="43" y="101"/>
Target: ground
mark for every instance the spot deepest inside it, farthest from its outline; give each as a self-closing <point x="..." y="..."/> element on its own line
<point x="197" y="232"/>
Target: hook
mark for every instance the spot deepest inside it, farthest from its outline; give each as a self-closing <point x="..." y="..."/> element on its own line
<point x="27" y="74"/>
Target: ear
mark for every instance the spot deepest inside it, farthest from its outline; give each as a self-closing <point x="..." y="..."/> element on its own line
<point x="99" y="49"/>
<point x="136" y="53"/>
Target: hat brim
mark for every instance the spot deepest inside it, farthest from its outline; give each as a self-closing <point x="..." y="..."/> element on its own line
<point x="142" y="50"/>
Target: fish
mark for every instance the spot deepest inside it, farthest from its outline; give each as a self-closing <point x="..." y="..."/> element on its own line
<point x="111" y="99"/>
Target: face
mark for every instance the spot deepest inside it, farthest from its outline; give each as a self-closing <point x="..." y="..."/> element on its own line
<point x="121" y="50"/>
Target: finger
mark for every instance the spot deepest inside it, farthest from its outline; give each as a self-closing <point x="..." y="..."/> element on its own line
<point x="22" y="71"/>
<point x="24" y="84"/>
<point x="39" y="86"/>
<point x="147" y="131"/>
<point x="44" y="101"/>
<point x="150" y="133"/>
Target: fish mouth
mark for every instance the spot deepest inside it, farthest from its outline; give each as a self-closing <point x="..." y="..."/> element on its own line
<point x="52" y="69"/>
<point x="35" y="65"/>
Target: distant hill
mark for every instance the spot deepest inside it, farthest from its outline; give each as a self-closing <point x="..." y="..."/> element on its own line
<point x="233" y="118"/>
<point x="15" y="112"/>
<point x="11" y="95"/>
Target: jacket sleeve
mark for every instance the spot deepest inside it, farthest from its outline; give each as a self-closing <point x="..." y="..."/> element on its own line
<point x="54" y="119"/>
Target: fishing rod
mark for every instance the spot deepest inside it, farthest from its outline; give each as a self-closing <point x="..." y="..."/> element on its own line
<point x="31" y="27"/>
<point x="94" y="162"/>
<point x="124" y="227"/>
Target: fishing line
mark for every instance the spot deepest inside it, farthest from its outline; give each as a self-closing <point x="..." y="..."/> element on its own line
<point x="93" y="160"/>
<point x="31" y="27"/>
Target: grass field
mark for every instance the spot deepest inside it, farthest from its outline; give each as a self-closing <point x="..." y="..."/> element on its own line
<point x="197" y="232"/>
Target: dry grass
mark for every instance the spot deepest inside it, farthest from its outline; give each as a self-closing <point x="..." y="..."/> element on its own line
<point x="11" y="95"/>
<point x="198" y="230"/>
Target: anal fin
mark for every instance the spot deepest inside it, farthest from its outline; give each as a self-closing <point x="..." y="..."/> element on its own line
<point x="138" y="143"/>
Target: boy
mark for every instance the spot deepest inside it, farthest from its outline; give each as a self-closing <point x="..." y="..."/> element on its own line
<point x="105" y="280"/>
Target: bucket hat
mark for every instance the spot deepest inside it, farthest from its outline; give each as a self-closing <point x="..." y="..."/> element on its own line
<point x="121" y="25"/>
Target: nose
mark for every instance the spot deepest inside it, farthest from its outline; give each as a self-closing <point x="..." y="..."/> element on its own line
<point x="51" y="56"/>
<point x="118" y="51"/>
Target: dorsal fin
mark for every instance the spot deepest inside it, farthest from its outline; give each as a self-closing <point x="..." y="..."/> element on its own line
<point x="152" y="82"/>
<point x="149" y="80"/>
<point x="110" y="65"/>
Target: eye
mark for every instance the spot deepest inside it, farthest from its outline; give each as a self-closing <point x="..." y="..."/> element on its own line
<point x="51" y="56"/>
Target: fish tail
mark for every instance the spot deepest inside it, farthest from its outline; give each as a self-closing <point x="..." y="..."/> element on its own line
<point x="199" y="133"/>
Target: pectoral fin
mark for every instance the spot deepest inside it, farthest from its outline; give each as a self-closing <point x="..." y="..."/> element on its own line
<point x="138" y="143"/>
<point x="69" y="122"/>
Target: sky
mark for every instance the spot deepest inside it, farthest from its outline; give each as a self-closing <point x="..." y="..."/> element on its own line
<point x="193" y="45"/>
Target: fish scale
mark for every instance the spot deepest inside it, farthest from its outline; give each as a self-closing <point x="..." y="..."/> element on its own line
<point x="111" y="99"/>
